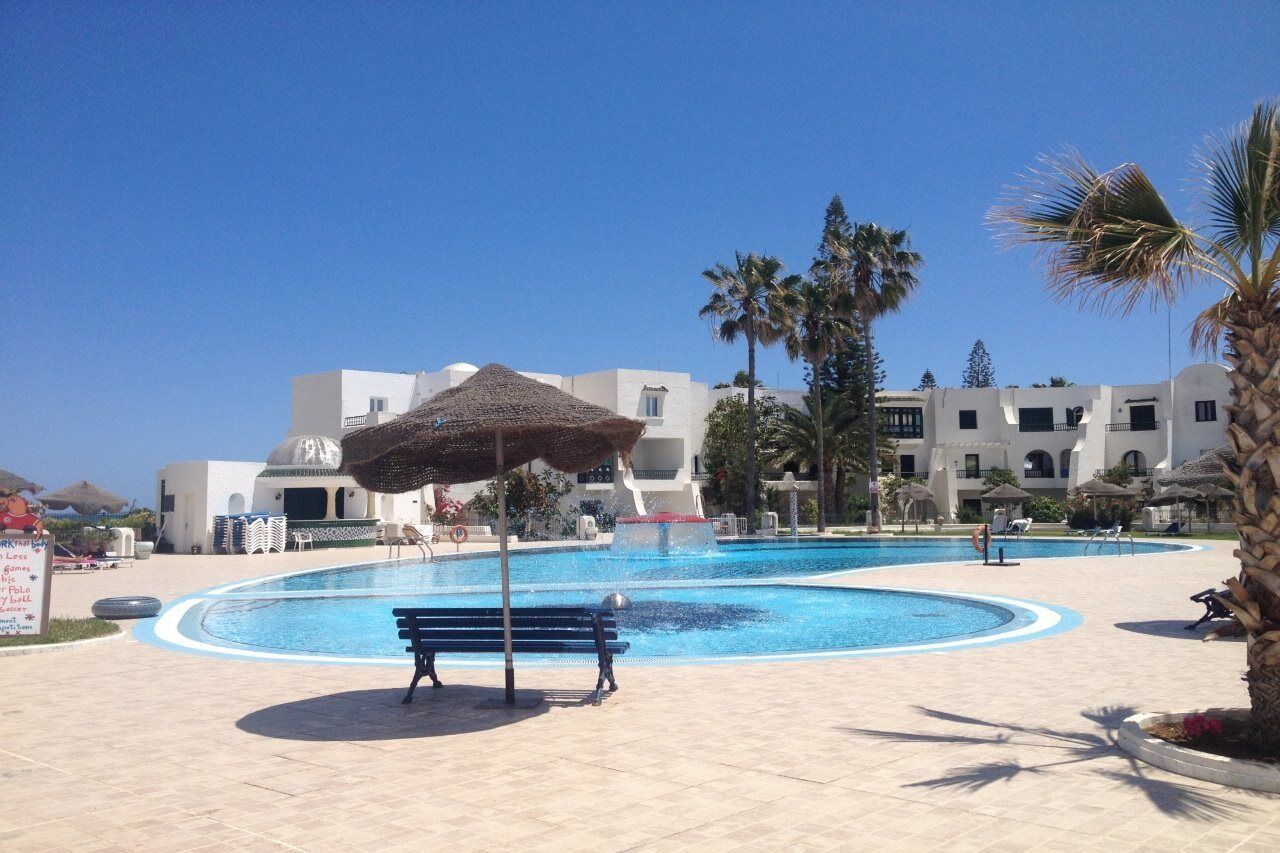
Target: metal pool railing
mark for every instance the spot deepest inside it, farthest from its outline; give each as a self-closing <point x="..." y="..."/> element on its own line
<point x="1107" y="535"/>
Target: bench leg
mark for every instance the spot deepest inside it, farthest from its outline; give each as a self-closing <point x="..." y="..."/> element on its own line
<point x="422" y="665"/>
<point x="413" y="685"/>
<point x="431" y="671"/>
<point x="606" y="674"/>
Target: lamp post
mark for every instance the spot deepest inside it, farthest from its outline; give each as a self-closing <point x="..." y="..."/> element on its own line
<point x="793" y="497"/>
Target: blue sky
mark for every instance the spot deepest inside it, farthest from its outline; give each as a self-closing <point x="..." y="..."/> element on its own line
<point x="200" y="202"/>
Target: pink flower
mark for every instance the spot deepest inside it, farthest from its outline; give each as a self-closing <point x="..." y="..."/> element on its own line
<point x="1198" y="725"/>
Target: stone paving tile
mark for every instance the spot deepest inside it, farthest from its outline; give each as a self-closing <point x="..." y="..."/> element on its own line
<point x="129" y="747"/>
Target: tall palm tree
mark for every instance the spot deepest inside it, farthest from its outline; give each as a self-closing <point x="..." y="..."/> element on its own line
<point x="1110" y="239"/>
<point x="748" y="301"/>
<point x="876" y="267"/>
<point x="819" y="322"/>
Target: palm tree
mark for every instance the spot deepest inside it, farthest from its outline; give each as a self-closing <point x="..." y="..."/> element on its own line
<point x="818" y="325"/>
<point x="876" y="267"/>
<point x="1110" y="239"/>
<point x="747" y="301"/>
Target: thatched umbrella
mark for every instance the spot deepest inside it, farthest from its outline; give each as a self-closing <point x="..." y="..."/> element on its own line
<point x="1175" y="495"/>
<point x="1206" y="468"/>
<point x="11" y="482"/>
<point x="908" y="495"/>
<point x="1101" y="489"/>
<point x="85" y="498"/>
<point x="1211" y="495"/>
<point x="494" y="421"/>
<point x="1006" y="495"/>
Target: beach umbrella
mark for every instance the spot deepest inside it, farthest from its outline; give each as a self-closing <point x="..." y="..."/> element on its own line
<point x="493" y="422"/>
<point x="1175" y="495"/>
<point x="85" y="498"/>
<point x="11" y="482"/>
<point x="1006" y="495"/>
<point x="1101" y="489"/>
<point x="1206" y="468"/>
<point x="909" y="494"/>
<point x="1211" y="494"/>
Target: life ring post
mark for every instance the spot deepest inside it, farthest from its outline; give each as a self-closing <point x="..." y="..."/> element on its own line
<point x="458" y="534"/>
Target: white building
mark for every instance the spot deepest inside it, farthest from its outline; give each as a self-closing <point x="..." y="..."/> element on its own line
<point x="1052" y="438"/>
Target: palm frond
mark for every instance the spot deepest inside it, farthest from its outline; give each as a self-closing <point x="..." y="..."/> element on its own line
<point x="1241" y="172"/>
<point x="1109" y="238"/>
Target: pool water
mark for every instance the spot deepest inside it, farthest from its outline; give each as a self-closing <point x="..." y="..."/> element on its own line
<point x="745" y="602"/>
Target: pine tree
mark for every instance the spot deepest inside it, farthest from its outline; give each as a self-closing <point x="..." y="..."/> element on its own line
<point x="927" y="380"/>
<point x="835" y="224"/>
<point x="979" y="373"/>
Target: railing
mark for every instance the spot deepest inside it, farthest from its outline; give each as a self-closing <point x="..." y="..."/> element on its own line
<point x="1133" y="472"/>
<point x="972" y="473"/>
<point x="1064" y="427"/>
<point x="700" y="477"/>
<point x="598" y="474"/>
<point x="354" y="421"/>
<point x="1134" y="426"/>
<point x="1036" y="474"/>
<point x="655" y="473"/>
<point x="902" y="431"/>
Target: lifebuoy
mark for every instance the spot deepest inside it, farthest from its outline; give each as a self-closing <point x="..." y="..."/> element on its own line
<point x="979" y="535"/>
<point x="458" y="534"/>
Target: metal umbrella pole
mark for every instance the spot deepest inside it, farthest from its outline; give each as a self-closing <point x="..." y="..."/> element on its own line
<point x="506" y="572"/>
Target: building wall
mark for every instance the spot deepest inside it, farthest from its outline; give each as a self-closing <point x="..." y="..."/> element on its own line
<point x="1199" y="382"/>
<point x="202" y="490"/>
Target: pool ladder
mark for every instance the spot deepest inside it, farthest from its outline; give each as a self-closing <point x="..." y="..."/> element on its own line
<point x="428" y="553"/>
<point x="1106" y="535"/>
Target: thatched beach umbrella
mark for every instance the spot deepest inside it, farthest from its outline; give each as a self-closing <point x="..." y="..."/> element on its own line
<point x="11" y="482"/>
<point x="1006" y="495"/>
<point x="1211" y="495"/>
<point x="908" y="495"/>
<point x="1175" y="495"/>
<point x="494" y="421"/>
<point x="1101" y="489"/>
<point x="85" y="498"/>
<point x="1206" y="468"/>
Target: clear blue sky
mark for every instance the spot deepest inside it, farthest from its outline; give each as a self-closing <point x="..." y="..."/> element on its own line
<point x="199" y="202"/>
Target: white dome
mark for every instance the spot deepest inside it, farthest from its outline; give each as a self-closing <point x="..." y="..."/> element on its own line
<point x="462" y="367"/>
<point x="307" y="451"/>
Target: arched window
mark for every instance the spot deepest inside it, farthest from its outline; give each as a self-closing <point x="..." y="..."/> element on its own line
<point x="235" y="504"/>
<point x="1064" y="464"/>
<point x="1136" y="462"/>
<point x="1038" y="464"/>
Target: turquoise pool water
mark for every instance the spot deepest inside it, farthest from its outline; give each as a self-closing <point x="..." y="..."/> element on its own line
<point x="747" y="601"/>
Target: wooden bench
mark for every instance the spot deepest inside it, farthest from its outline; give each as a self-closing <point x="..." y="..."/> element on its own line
<point x="534" y="630"/>
<point x="1213" y="608"/>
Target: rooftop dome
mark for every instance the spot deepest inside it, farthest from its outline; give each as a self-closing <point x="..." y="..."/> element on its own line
<point x="307" y="451"/>
<point x="462" y="367"/>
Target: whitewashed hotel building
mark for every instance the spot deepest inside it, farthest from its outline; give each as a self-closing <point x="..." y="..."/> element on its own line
<point x="1052" y="438"/>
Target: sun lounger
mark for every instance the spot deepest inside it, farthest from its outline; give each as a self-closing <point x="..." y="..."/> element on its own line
<point x="1213" y="608"/>
<point x="1174" y="529"/>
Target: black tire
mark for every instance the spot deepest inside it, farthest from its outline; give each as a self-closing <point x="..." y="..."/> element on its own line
<point x="126" y="607"/>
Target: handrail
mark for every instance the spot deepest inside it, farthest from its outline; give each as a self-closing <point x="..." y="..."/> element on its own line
<point x="1107" y="534"/>
<point x="423" y="547"/>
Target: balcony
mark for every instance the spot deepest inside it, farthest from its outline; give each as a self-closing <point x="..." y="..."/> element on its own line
<point x="902" y="431"/>
<point x="700" y="477"/>
<point x="601" y="474"/>
<point x="354" y="421"/>
<point x="655" y="473"/>
<point x="1035" y="474"/>
<point x="972" y="473"/>
<point x="1133" y="472"/>
<point x="1134" y="426"/>
<point x="1033" y="427"/>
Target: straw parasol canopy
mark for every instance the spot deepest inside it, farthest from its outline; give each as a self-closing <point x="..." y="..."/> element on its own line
<point x="1175" y="495"/>
<point x="1103" y="489"/>
<point x="908" y="495"/>
<point x="1206" y="468"/>
<point x="494" y="421"/>
<point x="85" y="498"/>
<point x="11" y="482"/>
<point x="450" y="438"/>
<point x="1007" y="494"/>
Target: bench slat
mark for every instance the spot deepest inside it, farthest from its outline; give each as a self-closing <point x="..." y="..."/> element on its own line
<point x="497" y="611"/>
<point x="516" y="622"/>
<point x="525" y="646"/>
<point x="516" y="634"/>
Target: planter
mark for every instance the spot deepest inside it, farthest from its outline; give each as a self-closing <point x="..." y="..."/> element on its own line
<point x="142" y="550"/>
<point x="1235" y="772"/>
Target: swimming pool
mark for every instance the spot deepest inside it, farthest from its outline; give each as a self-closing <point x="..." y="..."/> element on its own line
<point x="747" y="603"/>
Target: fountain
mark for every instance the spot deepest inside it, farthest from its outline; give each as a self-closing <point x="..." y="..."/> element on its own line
<point x="664" y="534"/>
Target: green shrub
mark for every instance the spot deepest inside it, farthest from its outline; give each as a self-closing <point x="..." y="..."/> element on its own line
<point x="968" y="516"/>
<point x="809" y="511"/>
<point x="1045" y="510"/>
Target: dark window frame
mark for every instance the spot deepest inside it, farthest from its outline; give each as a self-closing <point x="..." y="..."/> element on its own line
<point x="972" y="419"/>
<point x="1206" y="411"/>
<point x="902" y="421"/>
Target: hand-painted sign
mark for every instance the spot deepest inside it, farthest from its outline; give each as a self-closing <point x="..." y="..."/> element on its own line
<point x="26" y="572"/>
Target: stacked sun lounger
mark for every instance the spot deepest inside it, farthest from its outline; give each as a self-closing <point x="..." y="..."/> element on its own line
<point x="249" y="533"/>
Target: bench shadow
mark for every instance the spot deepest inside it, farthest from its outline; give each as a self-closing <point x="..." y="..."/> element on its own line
<point x="373" y="715"/>
<point x="1062" y="748"/>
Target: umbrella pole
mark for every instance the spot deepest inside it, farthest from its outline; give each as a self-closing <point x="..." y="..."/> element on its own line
<point x="508" y="664"/>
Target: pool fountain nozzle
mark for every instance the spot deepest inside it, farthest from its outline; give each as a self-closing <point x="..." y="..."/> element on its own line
<point x="616" y="601"/>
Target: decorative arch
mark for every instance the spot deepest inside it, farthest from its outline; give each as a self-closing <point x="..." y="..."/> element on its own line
<point x="1136" y="462"/>
<point x="235" y="504"/>
<point x="1064" y="463"/>
<point x="1037" y="465"/>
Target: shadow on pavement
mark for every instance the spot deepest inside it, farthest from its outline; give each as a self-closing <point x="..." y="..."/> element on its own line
<point x="367" y="715"/>
<point x="1174" y="628"/>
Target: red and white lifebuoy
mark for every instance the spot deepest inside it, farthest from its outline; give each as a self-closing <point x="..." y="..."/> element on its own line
<point x="458" y="534"/>
<point x="979" y="538"/>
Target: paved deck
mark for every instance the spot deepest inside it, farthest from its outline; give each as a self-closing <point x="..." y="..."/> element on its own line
<point x="128" y="747"/>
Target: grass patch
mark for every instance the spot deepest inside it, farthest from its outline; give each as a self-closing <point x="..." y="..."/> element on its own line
<point x="65" y="631"/>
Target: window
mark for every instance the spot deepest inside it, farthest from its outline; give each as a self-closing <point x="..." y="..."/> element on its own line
<point x="972" y="467"/>
<point x="1037" y="465"/>
<point x="968" y="419"/>
<point x="1136" y="462"/>
<point x="697" y="463"/>
<point x="652" y="406"/>
<point x="902" y="422"/>
<point x="1035" y="420"/>
<point x="377" y="404"/>
<point x="1074" y="415"/>
<point x="1142" y="417"/>
<point x="907" y="465"/>
<point x="1206" y="410"/>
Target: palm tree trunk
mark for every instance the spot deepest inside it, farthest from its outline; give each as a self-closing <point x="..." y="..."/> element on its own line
<point x="873" y="461"/>
<point x="751" y="430"/>
<point x="1253" y="341"/>
<point x="818" y="429"/>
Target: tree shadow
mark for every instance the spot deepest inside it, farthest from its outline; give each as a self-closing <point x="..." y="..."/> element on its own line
<point x="1062" y="749"/>
<point x="1172" y="628"/>
<point x="371" y="715"/>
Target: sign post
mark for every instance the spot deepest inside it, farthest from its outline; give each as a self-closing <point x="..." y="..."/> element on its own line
<point x="26" y="574"/>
